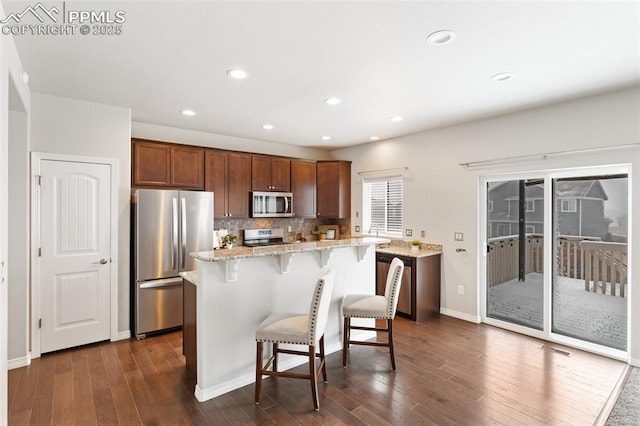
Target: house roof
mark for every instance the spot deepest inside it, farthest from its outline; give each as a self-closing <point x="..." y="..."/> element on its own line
<point x="580" y="189"/>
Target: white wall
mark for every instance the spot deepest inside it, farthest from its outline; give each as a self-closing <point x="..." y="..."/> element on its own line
<point x="69" y="126"/>
<point x="15" y="94"/>
<point x="211" y="140"/>
<point x="18" y="256"/>
<point x="441" y="197"/>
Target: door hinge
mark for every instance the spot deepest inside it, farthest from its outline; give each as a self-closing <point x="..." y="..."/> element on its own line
<point x="40" y="323"/>
<point x="39" y="179"/>
<point x="39" y="251"/>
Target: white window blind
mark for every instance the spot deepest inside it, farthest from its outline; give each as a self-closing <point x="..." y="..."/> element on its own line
<point x="383" y="206"/>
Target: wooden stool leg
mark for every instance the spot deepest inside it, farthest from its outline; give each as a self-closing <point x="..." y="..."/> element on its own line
<point x="258" y="371"/>
<point x="313" y="376"/>
<point x="393" y="358"/>
<point x="345" y="339"/>
<point x="274" y="351"/>
<point x="324" y="367"/>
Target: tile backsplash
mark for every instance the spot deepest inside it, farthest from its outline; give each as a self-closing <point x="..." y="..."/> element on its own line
<point x="299" y="226"/>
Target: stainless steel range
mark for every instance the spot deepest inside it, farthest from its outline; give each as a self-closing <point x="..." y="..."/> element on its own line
<point x="263" y="237"/>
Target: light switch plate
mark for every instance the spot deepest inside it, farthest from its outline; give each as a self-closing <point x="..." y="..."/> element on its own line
<point x="458" y="236"/>
<point x="357" y="228"/>
<point x="423" y="234"/>
<point x="408" y="232"/>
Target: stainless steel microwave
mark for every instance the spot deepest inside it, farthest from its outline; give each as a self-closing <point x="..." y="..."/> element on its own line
<point x="271" y="204"/>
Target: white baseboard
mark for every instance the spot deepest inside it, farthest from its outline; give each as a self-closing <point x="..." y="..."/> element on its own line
<point x="461" y="315"/>
<point x="284" y="363"/>
<point x="122" y="335"/>
<point x="19" y="362"/>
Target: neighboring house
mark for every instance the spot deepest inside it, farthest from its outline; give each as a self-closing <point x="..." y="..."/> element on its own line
<point x="579" y="208"/>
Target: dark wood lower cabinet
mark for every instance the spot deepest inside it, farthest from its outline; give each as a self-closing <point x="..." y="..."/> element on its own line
<point x="419" y="297"/>
<point x="189" y="327"/>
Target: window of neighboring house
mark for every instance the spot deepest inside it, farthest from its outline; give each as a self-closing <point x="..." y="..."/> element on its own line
<point x="530" y="229"/>
<point x="531" y="206"/>
<point x="490" y="206"/>
<point x="568" y="205"/>
<point x="382" y="206"/>
<point x="502" y="230"/>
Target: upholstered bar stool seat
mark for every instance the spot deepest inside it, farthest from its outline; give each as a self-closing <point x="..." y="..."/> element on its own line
<point x="284" y="328"/>
<point x="365" y="306"/>
<point x="297" y="329"/>
<point x="377" y="307"/>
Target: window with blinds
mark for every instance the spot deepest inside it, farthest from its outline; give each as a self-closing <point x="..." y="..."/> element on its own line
<point x="382" y="206"/>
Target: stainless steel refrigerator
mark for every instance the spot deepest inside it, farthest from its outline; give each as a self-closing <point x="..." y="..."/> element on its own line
<point x="167" y="226"/>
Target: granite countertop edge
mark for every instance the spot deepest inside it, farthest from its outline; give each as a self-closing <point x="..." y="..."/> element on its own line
<point x="406" y="251"/>
<point x="243" y="252"/>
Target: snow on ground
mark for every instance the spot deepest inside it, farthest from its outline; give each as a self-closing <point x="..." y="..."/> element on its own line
<point x="594" y="317"/>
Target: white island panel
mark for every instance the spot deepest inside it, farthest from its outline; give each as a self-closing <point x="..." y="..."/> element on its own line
<point x="228" y="312"/>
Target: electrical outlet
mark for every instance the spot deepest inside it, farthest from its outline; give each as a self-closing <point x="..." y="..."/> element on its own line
<point x="461" y="290"/>
<point x="458" y="236"/>
<point x="289" y="228"/>
<point x="408" y="232"/>
<point x="423" y="234"/>
<point x="357" y="228"/>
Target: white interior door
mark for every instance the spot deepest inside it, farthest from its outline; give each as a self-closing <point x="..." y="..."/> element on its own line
<point x="75" y="286"/>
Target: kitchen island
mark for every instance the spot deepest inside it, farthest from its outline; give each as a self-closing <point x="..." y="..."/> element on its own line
<point x="235" y="289"/>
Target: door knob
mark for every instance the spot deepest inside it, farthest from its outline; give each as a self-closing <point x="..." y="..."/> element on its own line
<point x="102" y="261"/>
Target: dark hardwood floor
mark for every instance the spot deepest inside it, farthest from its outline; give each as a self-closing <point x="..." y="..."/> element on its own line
<point x="449" y="372"/>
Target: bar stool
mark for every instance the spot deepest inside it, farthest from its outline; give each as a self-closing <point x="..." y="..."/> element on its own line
<point x="297" y="329"/>
<point x="378" y="307"/>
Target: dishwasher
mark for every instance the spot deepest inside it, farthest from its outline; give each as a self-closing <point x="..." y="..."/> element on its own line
<point x="383" y="262"/>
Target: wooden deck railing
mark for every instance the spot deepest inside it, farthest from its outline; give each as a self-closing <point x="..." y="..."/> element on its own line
<point x="502" y="257"/>
<point x="602" y="265"/>
<point x="605" y="268"/>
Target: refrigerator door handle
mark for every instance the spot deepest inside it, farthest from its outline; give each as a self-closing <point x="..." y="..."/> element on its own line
<point x="174" y="234"/>
<point x="184" y="232"/>
<point x="169" y="282"/>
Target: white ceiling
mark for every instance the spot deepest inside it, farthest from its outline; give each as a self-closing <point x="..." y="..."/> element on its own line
<point x="174" y="55"/>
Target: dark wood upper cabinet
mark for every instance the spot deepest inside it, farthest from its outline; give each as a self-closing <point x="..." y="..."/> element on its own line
<point x="151" y="164"/>
<point x="270" y="173"/>
<point x="228" y="175"/>
<point x="187" y="167"/>
<point x="334" y="189"/>
<point x="166" y="165"/>
<point x="303" y="187"/>
<point x="239" y="188"/>
<point x="215" y="180"/>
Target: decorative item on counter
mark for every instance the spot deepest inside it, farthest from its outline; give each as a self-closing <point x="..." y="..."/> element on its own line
<point x="228" y="240"/>
<point x="332" y="231"/>
<point x="322" y="234"/>
<point x="415" y="245"/>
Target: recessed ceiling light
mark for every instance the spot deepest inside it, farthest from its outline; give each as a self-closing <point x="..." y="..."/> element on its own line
<point x="441" y="37"/>
<point x="333" y="101"/>
<point x="188" y="112"/>
<point x="503" y="76"/>
<point x="267" y="126"/>
<point x="374" y="138"/>
<point x="237" y="73"/>
<point x="396" y="118"/>
<point x="326" y="138"/>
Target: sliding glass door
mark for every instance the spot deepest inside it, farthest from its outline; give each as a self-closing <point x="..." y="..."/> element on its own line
<point x="515" y="227"/>
<point x="578" y="292"/>
<point x="589" y="295"/>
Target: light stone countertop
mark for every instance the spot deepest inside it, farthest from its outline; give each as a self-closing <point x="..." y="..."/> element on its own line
<point x="243" y="252"/>
<point x="191" y="276"/>
<point x="431" y="250"/>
